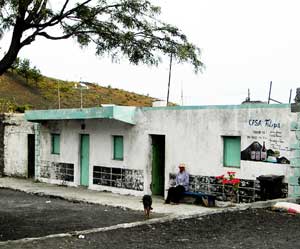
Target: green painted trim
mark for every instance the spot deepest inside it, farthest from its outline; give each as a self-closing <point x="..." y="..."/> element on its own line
<point x="118" y="148"/>
<point x="295" y="192"/>
<point x="293" y="180"/>
<point x="220" y="107"/>
<point x="296" y="171"/>
<point x="84" y="159"/>
<point x="61" y="114"/>
<point x="292" y="195"/>
<point x="296" y="152"/>
<point x="127" y="113"/>
<point x="295" y="146"/>
<point x="231" y="151"/>
<point x="124" y="114"/>
<point x="55" y="144"/>
<point x="295" y="162"/>
<point x="294" y="126"/>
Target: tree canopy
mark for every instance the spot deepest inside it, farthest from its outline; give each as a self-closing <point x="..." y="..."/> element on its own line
<point x="127" y="28"/>
<point x="23" y="67"/>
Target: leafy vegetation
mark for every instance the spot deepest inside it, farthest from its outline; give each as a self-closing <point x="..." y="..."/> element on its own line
<point x="23" y="67"/>
<point x="18" y="95"/>
<point x="127" y="28"/>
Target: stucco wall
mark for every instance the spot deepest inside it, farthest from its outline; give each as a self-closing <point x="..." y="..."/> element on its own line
<point x="100" y="132"/>
<point x="16" y="130"/>
<point x="193" y="135"/>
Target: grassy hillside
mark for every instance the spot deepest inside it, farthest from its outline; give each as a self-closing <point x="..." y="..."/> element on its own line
<point x="16" y="94"/>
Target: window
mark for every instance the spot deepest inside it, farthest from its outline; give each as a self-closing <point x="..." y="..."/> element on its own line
<point x="55" y="144"/>
<point x="118" y="147"/>
<point x="232" y="151"/>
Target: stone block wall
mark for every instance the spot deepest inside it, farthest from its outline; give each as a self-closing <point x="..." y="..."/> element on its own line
<point x="118" y="177"/>
<point x="249" y="190"/>
<point x="57" y="171"/>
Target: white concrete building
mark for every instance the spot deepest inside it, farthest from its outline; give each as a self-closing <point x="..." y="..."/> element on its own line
<point x="17" y="148"/>
<point x="135" y="151"/>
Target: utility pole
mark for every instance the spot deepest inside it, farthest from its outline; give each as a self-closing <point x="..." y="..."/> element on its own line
<point x="249" y="94"/>
<point x="270" y="89"/>
<point x="80" y="97"/>
<point x="81" y="86"/>
<point x="170" y="70"/>
<point x="58" y="94"/>
<point x="248" y="98"/>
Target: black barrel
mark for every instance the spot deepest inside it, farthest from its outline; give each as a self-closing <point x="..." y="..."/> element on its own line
<point x="270" y="186"/>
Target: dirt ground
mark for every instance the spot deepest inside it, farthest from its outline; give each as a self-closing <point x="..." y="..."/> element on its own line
<point x="253" y="228"/>
<point x="23" y="215"/>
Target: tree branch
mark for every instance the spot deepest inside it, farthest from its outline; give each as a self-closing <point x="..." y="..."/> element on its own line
<point x="64" y="7"/>
<point x="127" y="27"/>
<point x="58" y="18"/>
<point x="66" y="36"/>
<point x="36" y="11"/>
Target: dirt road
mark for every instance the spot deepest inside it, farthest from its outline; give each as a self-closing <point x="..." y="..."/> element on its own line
<point x="24" y="215"/>
<point x="253" y="228"/>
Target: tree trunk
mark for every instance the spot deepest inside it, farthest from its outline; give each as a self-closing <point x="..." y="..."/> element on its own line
<point x="14" y="47"/>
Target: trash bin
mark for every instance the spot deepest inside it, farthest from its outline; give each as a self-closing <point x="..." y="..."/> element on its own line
<point x="270" y="186"/>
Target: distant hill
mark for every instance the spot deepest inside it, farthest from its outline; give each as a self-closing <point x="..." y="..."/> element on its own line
<point x="16" y="94"/>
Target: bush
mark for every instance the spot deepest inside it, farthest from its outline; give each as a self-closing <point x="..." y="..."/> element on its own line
<point x="22" y="108"/>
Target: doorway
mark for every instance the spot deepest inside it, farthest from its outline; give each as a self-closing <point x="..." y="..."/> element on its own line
<point x="158" y="164"/>
<point x="31" y="155"/>
<point x="84" y="159"/>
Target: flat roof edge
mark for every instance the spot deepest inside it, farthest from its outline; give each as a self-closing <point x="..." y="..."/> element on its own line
<point x="220" y="107"/>
<point x="121" y="113"/>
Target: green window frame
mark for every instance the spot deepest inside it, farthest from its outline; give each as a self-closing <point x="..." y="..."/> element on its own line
<point x="118" y="148"/>
<point x="55" y="144"/>
<point x="232" y="151"/>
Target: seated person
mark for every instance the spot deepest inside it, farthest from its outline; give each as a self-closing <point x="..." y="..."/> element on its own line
<point x="182" y="185"/>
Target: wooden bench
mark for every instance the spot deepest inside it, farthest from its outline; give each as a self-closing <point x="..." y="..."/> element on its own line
<point x="205" y="199"/>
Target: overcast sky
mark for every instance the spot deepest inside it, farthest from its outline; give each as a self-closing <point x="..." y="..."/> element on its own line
<point x="245" y="44"/>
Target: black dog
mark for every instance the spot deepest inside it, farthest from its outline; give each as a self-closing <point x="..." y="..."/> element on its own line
<point x="147" y="202"/>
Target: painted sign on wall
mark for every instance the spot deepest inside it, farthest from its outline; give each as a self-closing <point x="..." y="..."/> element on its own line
<point x="266" y="142"/>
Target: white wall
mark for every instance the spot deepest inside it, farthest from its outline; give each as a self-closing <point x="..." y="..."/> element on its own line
<point x="101" y="153"/>
<point x="15" y="144"/>
<point x="193" y="136"/>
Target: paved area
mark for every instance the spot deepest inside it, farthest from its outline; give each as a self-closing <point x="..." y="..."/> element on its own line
<point x="124" y="201"/>
<point x="96" y="197"/>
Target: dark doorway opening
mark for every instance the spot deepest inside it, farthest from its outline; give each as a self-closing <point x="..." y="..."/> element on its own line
<point x="31" y="155"/>
<point x="158" y="164"/>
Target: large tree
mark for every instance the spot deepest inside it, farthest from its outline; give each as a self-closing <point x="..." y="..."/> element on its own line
<point x="117" y="27"/>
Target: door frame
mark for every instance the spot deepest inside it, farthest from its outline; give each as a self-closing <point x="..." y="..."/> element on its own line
<point x="84" y="178"/>
<point x="157" y="167"/>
